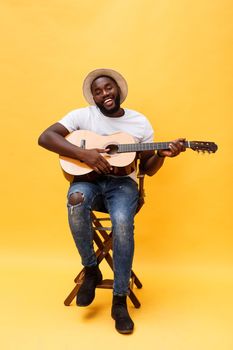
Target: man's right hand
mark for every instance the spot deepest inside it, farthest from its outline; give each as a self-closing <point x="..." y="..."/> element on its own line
<point x="94" y="159"/>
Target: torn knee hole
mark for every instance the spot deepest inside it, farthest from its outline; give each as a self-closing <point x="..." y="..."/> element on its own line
<point x="76" y="198"/>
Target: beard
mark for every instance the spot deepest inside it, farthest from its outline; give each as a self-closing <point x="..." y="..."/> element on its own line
<point x="106" y="111"/>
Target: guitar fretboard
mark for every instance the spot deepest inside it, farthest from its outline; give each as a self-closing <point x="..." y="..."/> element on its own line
<point x="151" y="146"/>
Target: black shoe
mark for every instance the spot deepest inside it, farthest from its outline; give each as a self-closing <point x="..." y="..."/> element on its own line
<point x="123" y="322"/>
<point x="86" y="292"/>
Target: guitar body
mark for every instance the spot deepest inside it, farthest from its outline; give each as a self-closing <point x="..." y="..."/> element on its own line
<point x="121" y="154"/>
<point x="119" y="161"/>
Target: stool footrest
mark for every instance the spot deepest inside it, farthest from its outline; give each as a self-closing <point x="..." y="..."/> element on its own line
<point x="105" y="284"/>
<point x="102" y="228"/>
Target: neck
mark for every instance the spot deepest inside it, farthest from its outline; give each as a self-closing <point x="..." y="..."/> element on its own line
<point x="119" y="113"/>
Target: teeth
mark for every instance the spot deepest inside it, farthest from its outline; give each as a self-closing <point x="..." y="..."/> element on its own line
<point x="108" y="100"/>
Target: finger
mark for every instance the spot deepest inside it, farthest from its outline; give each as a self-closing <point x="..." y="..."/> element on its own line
<point x="104" y="162"/>
<point x="105" y="165"/>
<point x="174" y="148"/>
<point x="179" y="144"/>
<point x="182" y="143"/>
<point x="102" y="150"/>
<point x="102" y="165"/>
<point x="97" y="170"/>
<point x="101" y="161"/>
<point x="106" y="170"/>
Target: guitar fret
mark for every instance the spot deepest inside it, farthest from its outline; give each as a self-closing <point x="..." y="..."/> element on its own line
<point x="135" y="147"/>
<point x="149" y="146"/>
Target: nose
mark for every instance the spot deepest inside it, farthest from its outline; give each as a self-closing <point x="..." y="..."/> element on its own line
<point x="105" y="93"/>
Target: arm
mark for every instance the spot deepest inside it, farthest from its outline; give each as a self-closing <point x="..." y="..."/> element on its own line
<point x="53" y="139"/>
<point x="151" y="162"/>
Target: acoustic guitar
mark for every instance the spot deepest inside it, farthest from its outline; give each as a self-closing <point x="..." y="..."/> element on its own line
<point x="121" y="151"/>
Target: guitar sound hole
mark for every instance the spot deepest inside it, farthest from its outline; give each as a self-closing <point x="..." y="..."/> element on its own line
<point x="112" y="149"/>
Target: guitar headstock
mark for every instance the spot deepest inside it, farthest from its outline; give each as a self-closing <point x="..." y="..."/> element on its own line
<point x="203" y="146"/>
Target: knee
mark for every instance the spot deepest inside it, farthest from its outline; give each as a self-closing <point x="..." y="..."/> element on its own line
<point x="76" y="198"/>
<point x="122" y="219"/>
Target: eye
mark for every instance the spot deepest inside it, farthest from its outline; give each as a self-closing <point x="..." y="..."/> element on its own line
<point x="97" y="92"/>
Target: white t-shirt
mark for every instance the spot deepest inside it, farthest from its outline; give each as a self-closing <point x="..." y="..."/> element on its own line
<point x="90" y="118"/>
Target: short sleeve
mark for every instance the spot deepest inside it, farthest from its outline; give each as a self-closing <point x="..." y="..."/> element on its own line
<point x="148" y="132"/>
<point x="72" y="120"/>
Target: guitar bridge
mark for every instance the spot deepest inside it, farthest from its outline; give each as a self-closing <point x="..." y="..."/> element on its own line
<point x="83" y="144"/>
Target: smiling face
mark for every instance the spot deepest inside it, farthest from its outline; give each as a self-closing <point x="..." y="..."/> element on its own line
<point x="106" y="95"/>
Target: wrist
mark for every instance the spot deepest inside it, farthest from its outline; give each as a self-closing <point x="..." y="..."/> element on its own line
<point x="81" y="154"/>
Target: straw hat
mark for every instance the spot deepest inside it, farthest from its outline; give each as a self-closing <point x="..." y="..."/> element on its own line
<point x="121" y="82"/>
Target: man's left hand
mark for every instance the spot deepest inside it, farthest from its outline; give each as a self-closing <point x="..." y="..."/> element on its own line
<point x="175" y="147"/>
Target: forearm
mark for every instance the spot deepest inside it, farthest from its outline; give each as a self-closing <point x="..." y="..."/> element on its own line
<point x="152" y="164"/>
<point x="54" y="142"/>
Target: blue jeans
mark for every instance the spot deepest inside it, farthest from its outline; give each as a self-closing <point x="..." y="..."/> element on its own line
<point x="119" y="195"/>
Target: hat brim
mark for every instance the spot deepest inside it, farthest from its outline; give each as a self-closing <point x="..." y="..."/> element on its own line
<point x="119" y="79"/>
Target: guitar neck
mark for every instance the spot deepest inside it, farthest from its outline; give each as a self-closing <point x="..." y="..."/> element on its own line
<point x="150" y="146"/>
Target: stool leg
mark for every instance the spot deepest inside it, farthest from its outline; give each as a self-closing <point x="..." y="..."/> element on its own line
<point x="72" y="295"/>
<point x="78" y="280"/>
<point x="80" y="276"/>
<point x="134" y="299"/>
<point x="136" y="280"/>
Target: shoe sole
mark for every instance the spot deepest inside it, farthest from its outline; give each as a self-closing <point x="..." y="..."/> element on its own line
<point x="123" y="331"/>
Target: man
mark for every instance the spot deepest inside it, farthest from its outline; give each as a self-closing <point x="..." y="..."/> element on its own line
<point x="105" y="90"/>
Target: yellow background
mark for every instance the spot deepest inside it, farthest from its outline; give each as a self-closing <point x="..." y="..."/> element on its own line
<point x="177" y="59"/>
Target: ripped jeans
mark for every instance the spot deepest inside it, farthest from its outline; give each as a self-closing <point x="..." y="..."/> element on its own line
<point x="119" y="195"/>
